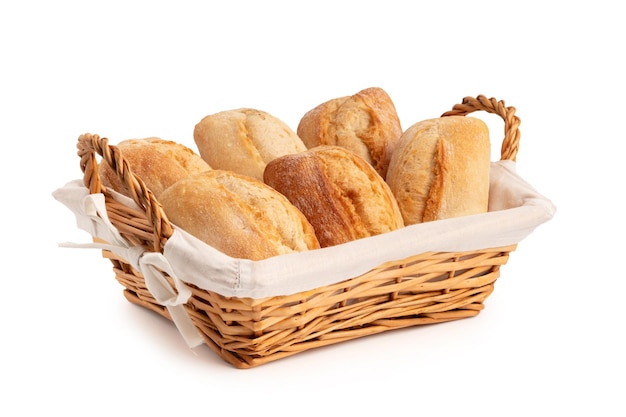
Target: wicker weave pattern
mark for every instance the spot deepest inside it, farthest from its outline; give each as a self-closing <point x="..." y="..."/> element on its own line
<point x="422" y="289"/>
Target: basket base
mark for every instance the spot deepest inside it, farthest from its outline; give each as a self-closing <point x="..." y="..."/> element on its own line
<point x="243" y="361"/>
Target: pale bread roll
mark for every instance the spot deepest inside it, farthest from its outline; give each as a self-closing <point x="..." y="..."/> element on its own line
<point x="441" y="169"/>
<point x="238" y="215"/>
<point x="244" y="140"/>
<point x="365" y="123"/>
<point x="159" y="163"/>
<point x="341" y="195"/>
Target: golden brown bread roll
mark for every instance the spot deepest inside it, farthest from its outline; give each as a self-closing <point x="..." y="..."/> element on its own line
<point x="365" y="123"/>
<point x="157" y="162"/>
<point x="441" y="169"/>
<point x="238" y="215"/>
<point x="341" y="195"/>
<point x="244" y="140"/>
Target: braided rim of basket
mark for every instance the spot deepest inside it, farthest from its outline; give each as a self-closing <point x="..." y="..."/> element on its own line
<point x="88" y="146"/>
<point x="91" y="144"/>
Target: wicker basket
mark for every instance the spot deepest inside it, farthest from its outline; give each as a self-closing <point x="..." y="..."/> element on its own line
<point x="424" y="288"/>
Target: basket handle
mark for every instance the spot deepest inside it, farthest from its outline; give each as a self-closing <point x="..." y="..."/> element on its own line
<point x="510" y="143"/>
<point x="88" y="145"/>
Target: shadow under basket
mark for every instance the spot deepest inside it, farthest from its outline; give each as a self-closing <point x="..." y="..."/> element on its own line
<point x="425" y="288"/>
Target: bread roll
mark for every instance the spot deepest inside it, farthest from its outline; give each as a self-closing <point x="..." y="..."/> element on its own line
<point x="441" y="169"/>
<point x="244" y="140"/>
<point x="157" y="162"/>
<point x="238" y="215"/>
<point x="365" y="123"/>
<point x="341" y="195"/>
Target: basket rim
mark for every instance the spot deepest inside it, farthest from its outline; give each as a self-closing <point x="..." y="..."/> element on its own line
<point x="234" y="277"/>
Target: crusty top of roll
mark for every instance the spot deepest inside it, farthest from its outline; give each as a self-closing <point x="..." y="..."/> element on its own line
<point x="157" y="162"/>
<point x="365" y="123"/>
<point x="441" y="169"/>
<point x="244" y="140"/>
<point x="341" y="195"/>
<point x="238" y="215"/>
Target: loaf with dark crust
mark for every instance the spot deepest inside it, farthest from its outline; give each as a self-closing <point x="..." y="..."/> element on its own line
<point x="341" y="195"/>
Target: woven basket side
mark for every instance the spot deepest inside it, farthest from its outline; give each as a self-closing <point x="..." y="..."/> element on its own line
<point x="424" y="289"/>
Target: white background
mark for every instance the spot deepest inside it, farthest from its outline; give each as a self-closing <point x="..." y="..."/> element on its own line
<point x="550" y="341"/>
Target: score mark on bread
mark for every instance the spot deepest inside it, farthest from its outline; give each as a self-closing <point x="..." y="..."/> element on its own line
<point x="365" y="123"/>
<point x="441" y="169"/>
<point x="244" y="140"/>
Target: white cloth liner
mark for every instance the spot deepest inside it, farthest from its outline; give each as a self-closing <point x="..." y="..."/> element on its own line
<point x="515" y="210"/>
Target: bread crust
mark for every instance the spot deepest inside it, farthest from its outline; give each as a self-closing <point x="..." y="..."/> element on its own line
<point x="365" y="123"/>
<point x="159" y="163"/>
<point x="341" y="195"/>
<point x="441" y="169"/>
<point x="244" y="140"/>
<point x="238" y="215"/>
